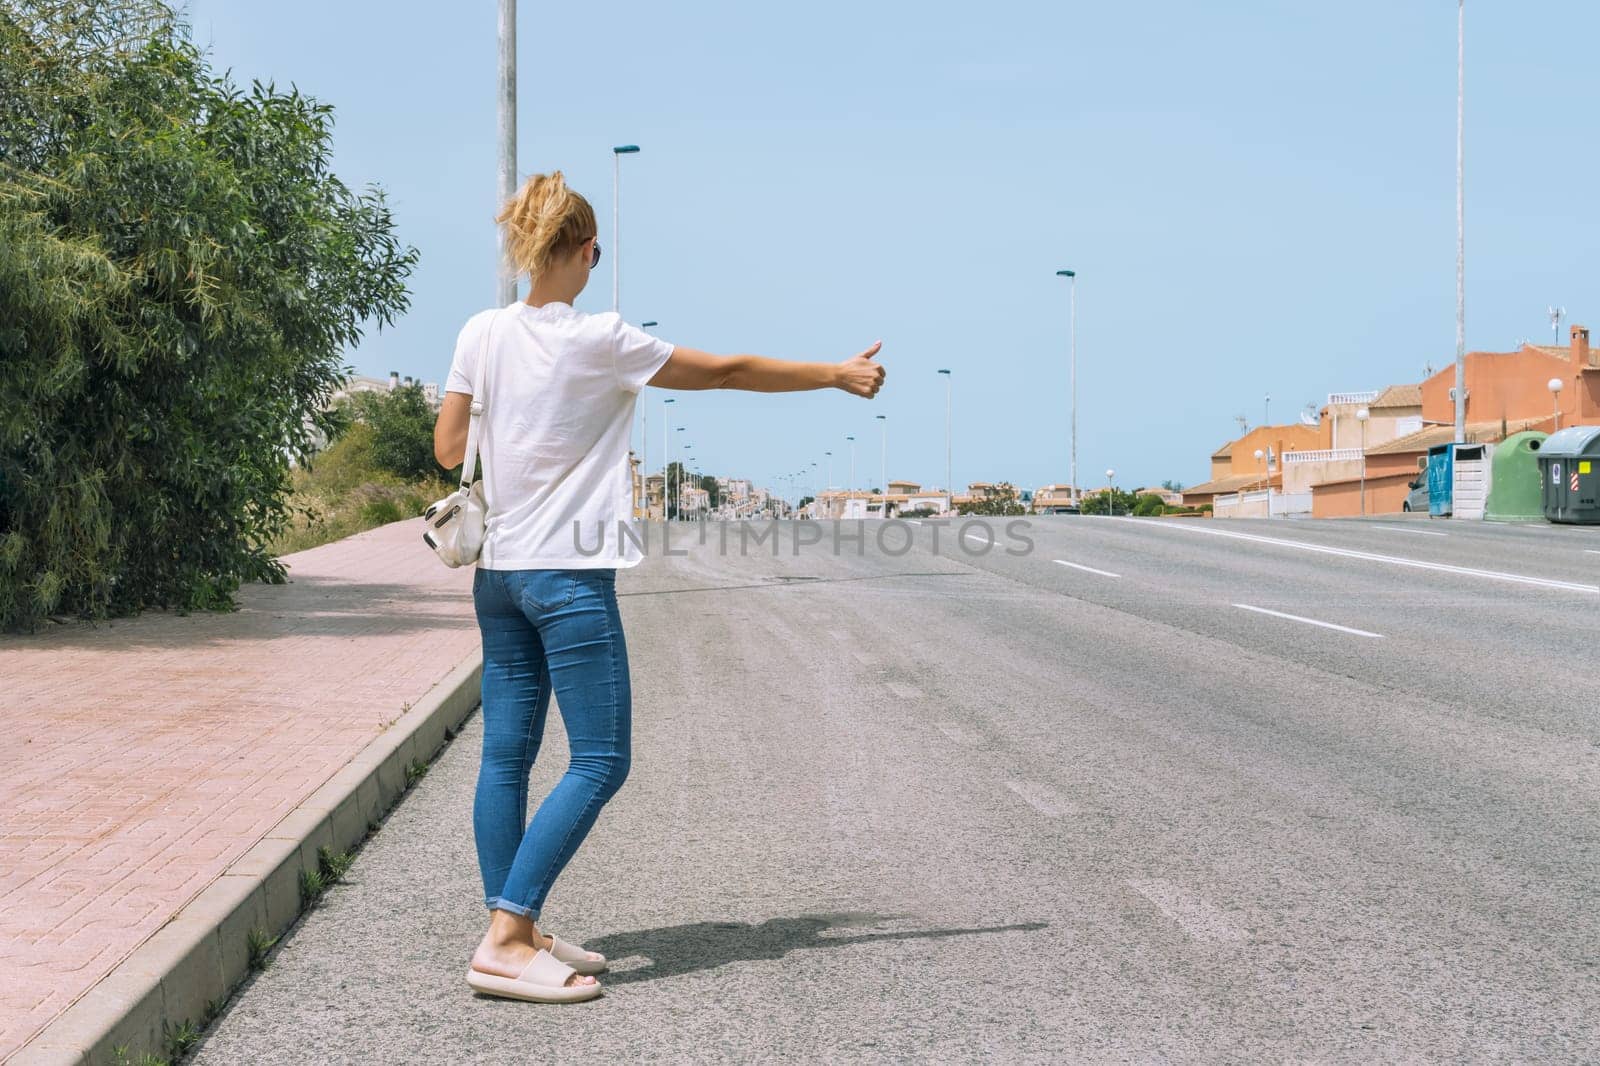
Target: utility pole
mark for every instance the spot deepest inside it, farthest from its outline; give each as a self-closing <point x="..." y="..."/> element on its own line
<point x="1461" y="233"/>
<point x="508" y="138"/>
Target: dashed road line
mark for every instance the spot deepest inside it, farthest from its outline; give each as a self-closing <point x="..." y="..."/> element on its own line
<point x="1042" y="798"/>
<point x="1373" y="557"/>
<point x="905" y="692"/>
<point x="1417" y="532"/>
<point x="1309" y="621"/>
<point x="1085" y="569"/>
<point x="1196" y="917"/>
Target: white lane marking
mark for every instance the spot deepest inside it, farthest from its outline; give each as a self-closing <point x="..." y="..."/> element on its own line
<point x="1086" y="569"/>
<point x="913" y="521"/>
<point x="1309" y="621"/>
<point x="1590" y="551"/>
<point x="1197" y="918"/>
<point x="1418" y="532"/>
<point x="905" y="692"/>
<point x="1042" y="798"/>
<point x="988" y="541"/>
<point x="1373" y="557"/>
<point x="959" y="735"/>
<point x="864" y="659"/>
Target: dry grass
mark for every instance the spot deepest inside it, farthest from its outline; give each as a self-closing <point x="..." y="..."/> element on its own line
<point x="343" y="493"/>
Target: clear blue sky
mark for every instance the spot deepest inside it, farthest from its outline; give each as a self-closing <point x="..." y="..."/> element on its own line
<point x="1259" y="197"/>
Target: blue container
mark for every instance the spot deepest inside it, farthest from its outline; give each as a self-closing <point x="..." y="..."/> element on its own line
<point x="1441" y="479"/>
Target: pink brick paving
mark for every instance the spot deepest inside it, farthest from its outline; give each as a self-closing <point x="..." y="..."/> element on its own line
<point x="139" y="758"/>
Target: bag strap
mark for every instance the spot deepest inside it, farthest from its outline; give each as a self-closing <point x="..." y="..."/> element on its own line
<point x="470" y="462"/>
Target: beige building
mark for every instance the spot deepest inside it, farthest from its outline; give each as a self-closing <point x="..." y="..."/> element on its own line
<point x="1053" y="498"/>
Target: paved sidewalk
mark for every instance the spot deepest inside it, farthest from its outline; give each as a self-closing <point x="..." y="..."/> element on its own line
<point x="141" y="757"/>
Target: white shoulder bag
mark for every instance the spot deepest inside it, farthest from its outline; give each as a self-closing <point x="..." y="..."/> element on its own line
<point x="455" y="524"/>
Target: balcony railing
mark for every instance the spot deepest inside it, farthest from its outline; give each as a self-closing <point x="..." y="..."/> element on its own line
<point x="1325" y="455"/>
<point x="1352" y="397"/>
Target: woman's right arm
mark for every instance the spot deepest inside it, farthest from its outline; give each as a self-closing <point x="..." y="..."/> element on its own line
<point x="690" y="369"/>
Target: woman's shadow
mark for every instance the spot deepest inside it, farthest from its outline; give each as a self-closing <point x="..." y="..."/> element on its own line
<point x="681" y="949"/>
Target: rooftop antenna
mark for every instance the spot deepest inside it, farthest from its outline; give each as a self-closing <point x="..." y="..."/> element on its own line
<point x="1556" y="315"/>
<point x="1244" y="424"/>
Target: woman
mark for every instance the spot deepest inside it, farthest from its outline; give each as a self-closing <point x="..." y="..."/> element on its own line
<point x="559" y="393"/>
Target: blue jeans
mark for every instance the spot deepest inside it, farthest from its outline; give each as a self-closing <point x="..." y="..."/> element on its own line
<point x="544" y="631"/>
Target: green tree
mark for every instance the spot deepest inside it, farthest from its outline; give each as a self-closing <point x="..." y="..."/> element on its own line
<point x="1116" y="501"/>
<point x="1004" y="501"/>
<point x="180" y="275"/>
<point x="402" y="431"/>
<point x="713" y="493"/>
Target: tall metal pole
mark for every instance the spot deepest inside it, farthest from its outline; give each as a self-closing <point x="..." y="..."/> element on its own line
<point x="884" y="463"/>
<point x="666" y="459"/>
<point x="1074" y="345"/>
<point x="852" y="495"/>
<point x="949" y="487"/>
<point x="1461" y="233"/>
<point x="616" y="221"/>
<point x="1072" y="278"/>
<point x="508" y="138"/>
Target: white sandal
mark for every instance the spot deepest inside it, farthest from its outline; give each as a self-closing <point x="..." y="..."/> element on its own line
<point x="543" y="980"/>
<point x="577" y="957"/>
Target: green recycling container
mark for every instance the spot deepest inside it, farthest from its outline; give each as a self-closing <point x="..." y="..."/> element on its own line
<point x="1569" y="466"/>
<point x="1515" y="494"/>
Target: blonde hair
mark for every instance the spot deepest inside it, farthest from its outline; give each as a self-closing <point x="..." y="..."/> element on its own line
<point x="544" y="221"/>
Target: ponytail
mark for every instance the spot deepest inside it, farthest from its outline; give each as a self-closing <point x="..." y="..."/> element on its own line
<point x="544" y="221"/>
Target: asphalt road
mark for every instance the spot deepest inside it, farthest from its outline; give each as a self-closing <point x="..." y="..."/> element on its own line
<point x="1091" y="802"/>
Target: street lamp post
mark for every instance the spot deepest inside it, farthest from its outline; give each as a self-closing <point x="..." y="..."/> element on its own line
<point x="949" y="484"/>
<point x="666" y="458"/>
<point x="683" y="469"/>
<point x="1111" y="493"/>
<point x="829" y="486"/>
<point x="1361" y="416"/>
<point x="1072" y="277"/>
<point x="616" y="221"/>
<point x="1555" y="386"/>
<point x="1461" y="231"/>
<point x="852" y="496"/>
<point x="679" y="429"/>
<point x="644" y="439"/>
<point x="508" y="138"/>
<point x="883" y="487"/>
<point x="1265" y="458"/>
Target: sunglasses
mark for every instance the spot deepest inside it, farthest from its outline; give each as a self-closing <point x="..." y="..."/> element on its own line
<point x="594" y="257"/>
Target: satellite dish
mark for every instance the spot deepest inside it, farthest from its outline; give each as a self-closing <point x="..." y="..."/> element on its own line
<point x="1310" y="416"/>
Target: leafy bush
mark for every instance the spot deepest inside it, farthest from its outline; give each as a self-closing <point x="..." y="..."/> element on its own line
<point x="1149" y="505"/>
<point x="402" y="430"/>
<point x="180" y="274"/>
<point x="1113" y="501"/>
<point x="343" y="491"/>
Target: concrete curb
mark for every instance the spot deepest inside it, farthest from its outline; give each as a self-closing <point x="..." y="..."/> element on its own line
<point x="202" y="954"/>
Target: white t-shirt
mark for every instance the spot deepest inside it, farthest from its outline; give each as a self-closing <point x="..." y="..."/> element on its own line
<point x="559" y="395"/>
